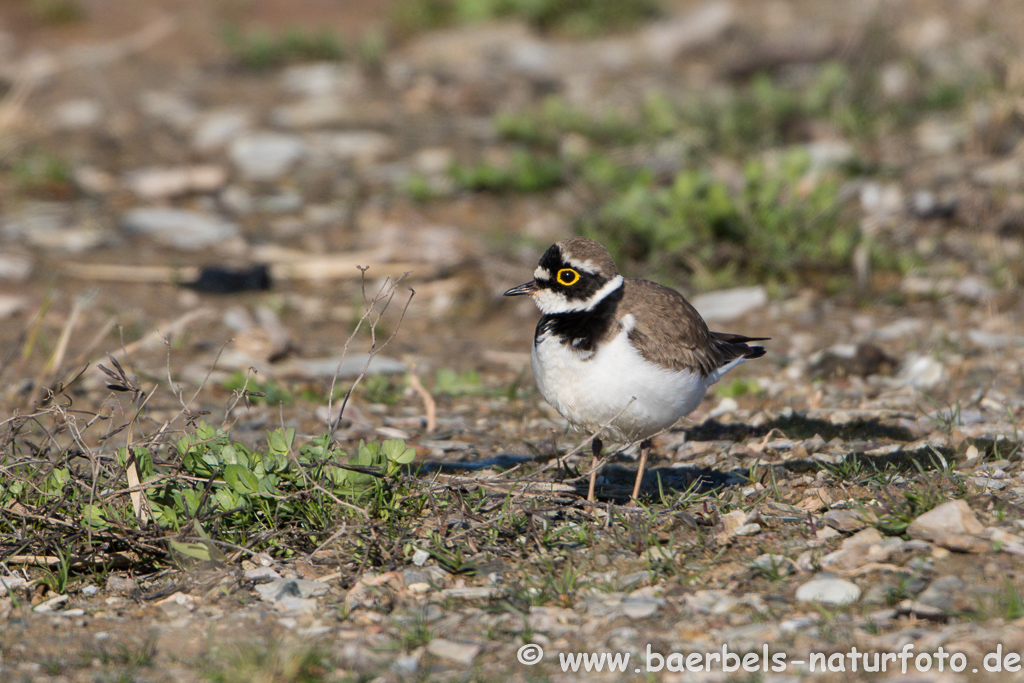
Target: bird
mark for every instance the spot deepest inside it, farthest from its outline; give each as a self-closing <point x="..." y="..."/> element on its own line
<point x="620" y="357"/>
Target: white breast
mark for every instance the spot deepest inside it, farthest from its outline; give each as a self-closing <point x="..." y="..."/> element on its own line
<point x="614" y="387"/>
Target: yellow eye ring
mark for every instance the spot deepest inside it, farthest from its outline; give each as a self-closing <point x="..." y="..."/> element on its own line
<point x="567" y="277"/>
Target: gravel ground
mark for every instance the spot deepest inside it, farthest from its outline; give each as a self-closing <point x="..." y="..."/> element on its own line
<point x="859" y="487"/>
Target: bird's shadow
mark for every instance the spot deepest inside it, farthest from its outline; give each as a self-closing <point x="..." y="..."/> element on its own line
<point x="616" y="480"/>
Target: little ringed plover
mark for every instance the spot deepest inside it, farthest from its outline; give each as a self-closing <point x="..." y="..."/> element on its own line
<point x="621" y="356"/>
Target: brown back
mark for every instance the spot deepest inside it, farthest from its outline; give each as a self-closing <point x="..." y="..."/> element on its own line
<point x="670" y="331"/>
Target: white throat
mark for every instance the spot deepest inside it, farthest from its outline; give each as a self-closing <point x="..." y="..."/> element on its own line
<point x="552" y="302"/>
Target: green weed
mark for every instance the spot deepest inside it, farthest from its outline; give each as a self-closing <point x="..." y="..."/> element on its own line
<point x="256" y="391"/>
<point x="58" y="11"/>
<point x="558" y="586"/>
<point x="56" y="579"/>
<point x="415" y="633"/>
<point x="452" y="383"/>
<point x="739" y="386"/>
<point x="261" y="50"/>
<point x="928" y="490"/>
<point x="524" y="172"/>
<point x="44" y="175"/>
<point x="567" y="17"/>
<point x="775" y="227"/>
<point x="230" y="494"/>
<point x="268" y="662"/>
<point x="453" y="558"/>
<point x="383" y="389"/>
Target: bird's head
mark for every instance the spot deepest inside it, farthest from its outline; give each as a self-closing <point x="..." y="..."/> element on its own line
<point x="573" y="275"/>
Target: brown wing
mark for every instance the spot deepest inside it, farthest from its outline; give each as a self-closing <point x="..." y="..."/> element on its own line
<point x="670" y="331"/>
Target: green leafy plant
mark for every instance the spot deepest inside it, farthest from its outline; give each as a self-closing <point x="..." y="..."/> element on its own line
<point x="558" y="586"/>
<point x="452" y="558"/>
<point x="260" y="50"/>
<point x="570" y="17"/>
<point x="454" y="383"/>
<point x="525" y="172"/>
<point x="56" y="579"/>
<point x="927" y="490"/>
<point x="549" y="122"/>
<point x="234" y="493"/>
<point x="738" y="386"/>
<point x="774" y="226"/>
<point x="384" y="389"/>
<point x="268" y="661"/>
<point x="257" y="391"/>
<point x="58" y="11"/>
<point x="45" y="175"/>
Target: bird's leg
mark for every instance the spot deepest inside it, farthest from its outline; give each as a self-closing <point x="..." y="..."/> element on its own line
<point x="645" y="449"/>
<point x="595" y="449"/>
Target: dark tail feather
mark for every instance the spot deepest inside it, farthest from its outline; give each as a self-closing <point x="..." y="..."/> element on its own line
<point x="730" y="338"/>
<point x="738" y="342"/>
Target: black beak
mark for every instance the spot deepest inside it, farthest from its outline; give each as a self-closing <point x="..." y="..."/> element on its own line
<point x="525" y="288"/>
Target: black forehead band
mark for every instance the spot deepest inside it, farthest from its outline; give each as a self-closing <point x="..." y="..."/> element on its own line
<point x="552" y="259"/>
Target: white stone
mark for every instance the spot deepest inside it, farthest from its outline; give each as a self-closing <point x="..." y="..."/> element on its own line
<point x="954" y="517"/>
<point x="361" y="145"/>
<point x="261" y="574"/>
<point x="266" y="156"/>
<point x="1005" y="172"/>
<point x="350" y="366"/>
<point x="315" y="112"/>
<point x="219" y="128"/>
<point x="863" y="547"/>
<point x="93" y="181"/>
<point x="895" y="79"/>
<point x="992" y="340"/>
<point x="187" y="230"/>
<point x="939" y="136"/>
<point x="162" y="183"/>
<point x="11" y="305"/>
<point x="986" y="483"/>
<point x="52" y="225"/>
<point x="900" y="329"/>
<point x="320" y="79"/>
<point x="77" y="114"/>
<point x="664" y="41"/>
<point x="169" y="108"/>
<point x="728" y="304"/>
<point x="775" y="563"/>
<point x="461" y="653"/>
<point x="295" y="605"/>
<point x="826" y="154"/>
<point x="731" y="522"/>
<point x="279" y="589"/>
<point x="881" y="199"/>
<point x="10" y="582"/>
<point x="470" y="593"/>
<point x="51" y="604"/>
<point x="828" y="592"/>
<point x="726" y="406"/>
<point x="922" y="372"/>
<point x="641" y="608"/>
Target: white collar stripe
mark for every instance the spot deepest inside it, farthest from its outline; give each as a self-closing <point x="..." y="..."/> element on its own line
<point x="600" y="294"/>
<point x="553" y="302"/>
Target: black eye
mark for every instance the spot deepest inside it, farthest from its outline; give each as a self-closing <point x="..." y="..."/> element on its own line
<point x="567" y="277"/>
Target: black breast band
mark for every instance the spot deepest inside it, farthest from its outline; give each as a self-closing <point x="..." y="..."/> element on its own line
<point x="581" y="330"/>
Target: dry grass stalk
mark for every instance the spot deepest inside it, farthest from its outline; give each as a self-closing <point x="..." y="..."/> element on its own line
<point x="309" y="267"/>
<point x="429" y="404"/>
<point x="375" y="307"/>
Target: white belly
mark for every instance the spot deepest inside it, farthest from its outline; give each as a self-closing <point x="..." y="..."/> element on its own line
<point x="615" y="388"/>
